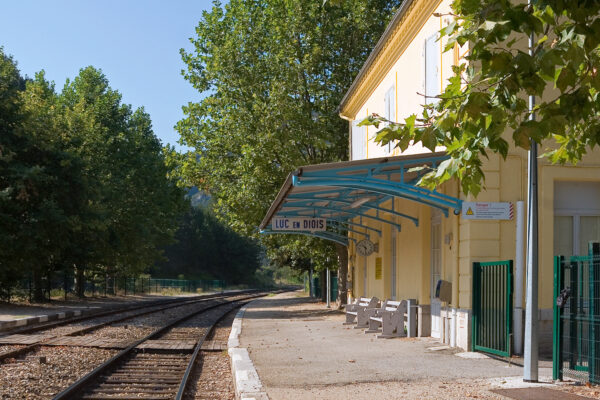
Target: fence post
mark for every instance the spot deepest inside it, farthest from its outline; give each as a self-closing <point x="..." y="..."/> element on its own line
<point x="594" y="254"/>
<point x="556" y="322"/>
<point x="509" y="307"/>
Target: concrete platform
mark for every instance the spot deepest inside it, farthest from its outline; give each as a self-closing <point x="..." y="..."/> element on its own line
<point x="291" y="347"/>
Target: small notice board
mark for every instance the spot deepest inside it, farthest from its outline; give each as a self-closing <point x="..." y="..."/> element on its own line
<point x="487" y="210"/>
<point x="378" y="268"/>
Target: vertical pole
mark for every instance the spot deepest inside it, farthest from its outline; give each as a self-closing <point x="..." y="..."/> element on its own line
<point x="411" y="310"/>
<point x="530" y="371"/>
<point x="519" y="277"/>
<point x="328" y="288"/>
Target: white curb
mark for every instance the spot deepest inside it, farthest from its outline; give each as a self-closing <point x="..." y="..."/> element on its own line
<point x="245" y="378"/>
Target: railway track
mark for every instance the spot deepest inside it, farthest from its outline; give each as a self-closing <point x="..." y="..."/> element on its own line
<point x="158" y="366"/>
<point x="111" y="311"/>
<point x="31" y="343"/>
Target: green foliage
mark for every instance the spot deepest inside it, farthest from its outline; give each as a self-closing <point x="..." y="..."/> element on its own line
<point x="83" y="181"/>
<point x="487" y="96"/>
<point x="207" y="249"/>
<point x="274" y="73"/>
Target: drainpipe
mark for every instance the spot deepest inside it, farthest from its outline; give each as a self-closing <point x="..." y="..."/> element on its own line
<point x="453" y="328"/>
<point x="519" y="278"/>
<point x="454" y="241"/>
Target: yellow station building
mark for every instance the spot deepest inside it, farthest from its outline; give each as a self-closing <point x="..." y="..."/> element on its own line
<point x="419" y="238"/>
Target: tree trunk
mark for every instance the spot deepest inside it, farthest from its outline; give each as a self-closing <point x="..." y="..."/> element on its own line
<point x="65" y="282"/>
<point x="323" y="284"/>
<point x="38" y="290"/>
<point x="80" y="288"/>
<point x="342" y="253"/>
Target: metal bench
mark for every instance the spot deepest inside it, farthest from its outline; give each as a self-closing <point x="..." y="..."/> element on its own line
<point x="357" y="311"/>
<point x="389" y="319"/>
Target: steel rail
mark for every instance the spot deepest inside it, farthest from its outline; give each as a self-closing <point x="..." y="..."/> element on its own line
<point x="100" y="313"/>
<point x="192" y="362"/>
<point x="32" y="347"/>
<point x="78" y="387"/>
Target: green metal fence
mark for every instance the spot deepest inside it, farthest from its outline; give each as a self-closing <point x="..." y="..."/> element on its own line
<point x="128" y="285"/>
<point x="492" y="307"/>
<point x="318" y="288"/>
<point x="576" y="325"/>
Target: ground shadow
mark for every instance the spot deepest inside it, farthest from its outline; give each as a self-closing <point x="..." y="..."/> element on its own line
<point x="265" y="309"/>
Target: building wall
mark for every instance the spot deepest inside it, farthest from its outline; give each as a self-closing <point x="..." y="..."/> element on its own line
<point x="463" y="241"/>
<point x="407" y="76"/>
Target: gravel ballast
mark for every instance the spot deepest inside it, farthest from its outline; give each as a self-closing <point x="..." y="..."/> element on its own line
<point x="32" y="379"/>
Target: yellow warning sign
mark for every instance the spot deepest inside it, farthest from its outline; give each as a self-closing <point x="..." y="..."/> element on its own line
<point x="487" y="210"/>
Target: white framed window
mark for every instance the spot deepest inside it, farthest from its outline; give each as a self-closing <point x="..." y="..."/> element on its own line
<point x="576" y="217"/>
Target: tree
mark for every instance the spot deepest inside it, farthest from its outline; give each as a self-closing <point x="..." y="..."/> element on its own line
<point x="274" y="73"/>
<point x="132" y="204"/>
<point x="84" y="182"/>
<point x="12" y="170"/>
<point x="207" y="249"/>
<point x="487" y="95"/>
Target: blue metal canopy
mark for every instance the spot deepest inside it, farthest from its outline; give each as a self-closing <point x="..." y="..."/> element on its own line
<point x="348" y="193"/>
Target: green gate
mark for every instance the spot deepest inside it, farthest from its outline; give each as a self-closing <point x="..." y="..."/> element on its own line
<point x="492" y="307"/>
<point x="576" y="322"/>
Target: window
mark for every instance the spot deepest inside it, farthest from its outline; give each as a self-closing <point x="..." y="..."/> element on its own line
<point x="576" y="217"/>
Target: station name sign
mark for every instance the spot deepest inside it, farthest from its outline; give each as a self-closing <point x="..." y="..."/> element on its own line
<point x="299" y="224"/>
<point x="487" y="210"/>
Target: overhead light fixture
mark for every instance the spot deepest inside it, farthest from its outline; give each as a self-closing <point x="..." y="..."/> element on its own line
<point x="360" y="202"/>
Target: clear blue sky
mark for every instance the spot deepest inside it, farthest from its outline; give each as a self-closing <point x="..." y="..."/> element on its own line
<point x="135" y="42"/>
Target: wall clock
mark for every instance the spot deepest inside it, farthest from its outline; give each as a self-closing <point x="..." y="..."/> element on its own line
<point x="365" y="247"/>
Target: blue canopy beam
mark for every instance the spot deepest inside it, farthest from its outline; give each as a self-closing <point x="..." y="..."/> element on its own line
<point x="355" y="214"/>
<point x="377" y="168"/>
<point x="420" y="195"/>
<point x="346" y="190"/>
<point x="350" y="202"/>
<point x="343" y="240"/>
<point x="348" y="229"/>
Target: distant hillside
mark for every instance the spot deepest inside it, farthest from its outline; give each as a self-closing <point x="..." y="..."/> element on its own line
<point x="198" y="198"/>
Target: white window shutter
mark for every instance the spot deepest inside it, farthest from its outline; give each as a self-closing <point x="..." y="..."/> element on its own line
<point x="358" y="141"/>
<point x="432" y="69"/>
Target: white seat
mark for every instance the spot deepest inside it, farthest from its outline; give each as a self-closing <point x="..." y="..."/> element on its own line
<point x="389" y="319"/>
<point x="356" y="311"/>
